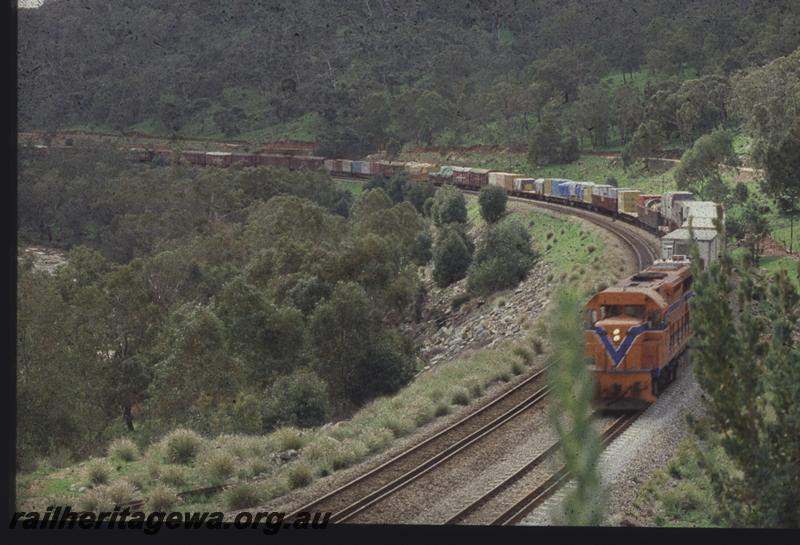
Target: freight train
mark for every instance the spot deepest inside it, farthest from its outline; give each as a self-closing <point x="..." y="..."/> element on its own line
<point x="637" y="333"/>
<point x="667" y="216"/>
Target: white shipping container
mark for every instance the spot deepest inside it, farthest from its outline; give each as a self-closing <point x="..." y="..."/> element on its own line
<point x="677" y="243"/>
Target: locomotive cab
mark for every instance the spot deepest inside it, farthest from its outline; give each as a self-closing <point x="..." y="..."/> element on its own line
<point x="635" y="333"/>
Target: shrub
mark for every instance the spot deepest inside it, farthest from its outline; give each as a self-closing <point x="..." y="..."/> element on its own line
<point x="517" y="368"/>
<point x="524" y="354"/>
<point x="461" y="397"/>
<point x="289" y="438"/>
<point x="182" y="446"/>
<point x="399" y="426"/>
<point x="299" y="476"/>
<point x="98" y="471"/>
<point x="449" y="206"/>
<point x="94" y="500"/>
<point x="162" y="498"/>
<point x="421" y="253"/>
<point x="376" y="439"/>
<point x="442" y="409"/>
<point x="503" y="258"/>
<point x="219" y="465"/>
<point x="242" y="495"/>
<point x="259" y="466"/>
<point x="300" y="399"/>
<point x="452" y="256"/>
<point x="173" y="475"/>
<point x="476" y="389"/>
<point x="538" y="346"/>
<point x="121" y="492"/>
<point x="492" y="200"/>
<point x="123" y="449"/>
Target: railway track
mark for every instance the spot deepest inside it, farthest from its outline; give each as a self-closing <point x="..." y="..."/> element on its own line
<point x="643" y="250"/>
<point x="361" y="493"/>
<point x="640" y="247"/>
<point x="489" y="508"/>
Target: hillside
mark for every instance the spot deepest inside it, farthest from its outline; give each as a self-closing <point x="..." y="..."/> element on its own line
<point x="356" y="75"/>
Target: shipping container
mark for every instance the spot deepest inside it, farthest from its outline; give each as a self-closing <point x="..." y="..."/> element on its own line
<point x="330" y="165"/>
<point x="503" y="179"/>
<point x="244" y="159"/>
<point x="601" y="190"/>
<point x="669" y="204"/>
<point x="136" y="154"/>
<point x="583" y="191"/>
<point x="649" y="216"/>
<point x="645" y="199"/>
<point x="677" y="243"/>
<point x="479" y="177"/>
<point x="605" y="203"/>
<point x="194" y="157"/>
<point x="442" y="176"/>
<point x="563" y="189"/>
<point x="461" y="175"/>
<point x="628" y="200"/>
<point x="702" y="214"/>
<point x="308" y="162"/>
<point x="525" y="184"/>
<point x="218" y="158"/>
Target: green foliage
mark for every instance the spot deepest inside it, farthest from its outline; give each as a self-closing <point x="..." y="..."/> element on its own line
<point x="241" y="496"/>
<point x="182" y="446"/>
<point x="356" y="358"/>
<point x="162" y="499"/>
<point x="448" y="206"/>
<point x="452" y="255"/>
<point x="645" y="142"/>
<point x="502" y="259"/>
<point x="98" y="471"/>
<point x="746" y="351"/>
<point x="300" y="476"/>
<point x="421" y="253"/>
<point x="123" y="449"/>
<point x="698" y="170"/>
<point x="300" y="399"/>
<point x="573" y="389"/>
<point x="219" y="466"/>
<point x="782" y="162"/>
<point x="548" y="144"/>
<point x="492" y="200"/>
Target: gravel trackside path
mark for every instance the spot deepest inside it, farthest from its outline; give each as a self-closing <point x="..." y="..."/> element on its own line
<point x="633" y="457"/>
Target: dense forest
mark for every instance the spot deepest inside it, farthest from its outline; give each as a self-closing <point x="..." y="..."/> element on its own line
<point x="228" y="301"/>
<point x="361" y="74"/>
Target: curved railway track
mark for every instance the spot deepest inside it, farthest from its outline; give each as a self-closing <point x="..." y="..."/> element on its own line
<point x="484" y="510"/>
<point x="408" y="466"/>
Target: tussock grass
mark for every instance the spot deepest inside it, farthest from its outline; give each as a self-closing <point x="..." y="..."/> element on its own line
<point x="300" y="475"/>
<point x="460" y="397"/>
<point x="289" y="438"/>
<point x="173" y="475"/>
<point x="95" y="500"/>
<point x="242" y="495"/>
<point x="98" y="471"/>
<point x="121" y="492"/>
<point x="123" y="449"/>
<point x="181" y="446"/>
<point x="219" y="465"/>
<point x="162" y="498"/>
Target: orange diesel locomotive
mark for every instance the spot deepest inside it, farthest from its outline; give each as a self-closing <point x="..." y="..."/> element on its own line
<point x="637" y="333"/>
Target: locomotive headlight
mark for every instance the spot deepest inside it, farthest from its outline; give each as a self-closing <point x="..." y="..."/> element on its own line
<point x="617" y="338"/>
<point x="615" y="332"/>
